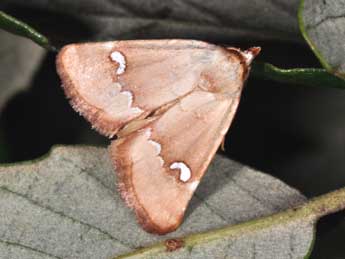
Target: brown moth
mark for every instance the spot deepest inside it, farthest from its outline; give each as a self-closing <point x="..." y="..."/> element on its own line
<point x="170" y="103"/>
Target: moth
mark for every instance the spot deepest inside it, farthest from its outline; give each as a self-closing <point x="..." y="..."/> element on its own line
<point x="170" y="104"/>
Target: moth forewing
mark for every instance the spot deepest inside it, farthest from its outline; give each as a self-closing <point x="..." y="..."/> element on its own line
<point x="170" y="101"/>
<point x="112" y="83"/>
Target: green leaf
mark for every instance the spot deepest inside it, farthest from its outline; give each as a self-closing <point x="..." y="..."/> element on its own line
<point x="212" y="21"/>
<point x="322" y="24"/>
<point x="13" y="25"/>
<point x="66" y="205"/>
<point x="19" y="60"/>
<point x="313" y="77"/>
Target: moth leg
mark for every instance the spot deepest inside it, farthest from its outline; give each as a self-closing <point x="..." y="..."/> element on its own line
<point x="222" y="145"/>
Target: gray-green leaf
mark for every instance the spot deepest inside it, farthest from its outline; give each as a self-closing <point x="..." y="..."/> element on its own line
<point x="283" y="235"/>
<point x="66" y="206"/>
<point x="168" y="19"/>
<point x="19" y="59"/>
<point x="214" y="21"/>
<point x="323" y="26"/>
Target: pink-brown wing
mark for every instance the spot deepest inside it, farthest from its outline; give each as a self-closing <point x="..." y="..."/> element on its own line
<point x="112" y="83"/>
<point x="160" y="165"/>
<point x="173" y="101"/>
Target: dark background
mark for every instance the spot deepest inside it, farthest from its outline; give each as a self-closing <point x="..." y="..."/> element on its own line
<point x="292" y="132"/>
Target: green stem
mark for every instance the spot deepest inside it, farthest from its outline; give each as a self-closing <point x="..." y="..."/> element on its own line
<point x="310" y="211"/>
<point x="11" y="24"/>
<point x="299" y="76"/>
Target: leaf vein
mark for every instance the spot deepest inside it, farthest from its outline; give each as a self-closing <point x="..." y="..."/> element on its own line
<point x="35" y="203"/>
<point x="10" y="243"/>
<point x="329" y="17"/>
<point x="212" y="209"/>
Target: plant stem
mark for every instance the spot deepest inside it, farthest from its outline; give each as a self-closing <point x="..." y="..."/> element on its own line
<point x="13" y="25"/>
<point x="299" y="76"/>
<point x="310" y="211"/>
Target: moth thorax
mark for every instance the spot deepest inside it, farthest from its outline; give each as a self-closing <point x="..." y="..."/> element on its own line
<point x="207" y="83"/>
<point x="226" y="77"/>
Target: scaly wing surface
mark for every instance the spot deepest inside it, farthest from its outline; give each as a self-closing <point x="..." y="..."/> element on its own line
<point x="112" y="83"/>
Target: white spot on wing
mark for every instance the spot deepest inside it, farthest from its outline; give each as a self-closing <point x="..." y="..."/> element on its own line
<point x="148" y="133"/>
<point x="130" y="97"/>
<point x="136" y="110"/>
<point x="185" y="172"/>
<point x="157" y="146"/>
<point x="120" y="59"/>
<point x="161" y="161"/>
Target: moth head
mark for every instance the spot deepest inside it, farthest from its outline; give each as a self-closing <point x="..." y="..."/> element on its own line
<point x="250" y="54"/>
<point x="244" y="58"/>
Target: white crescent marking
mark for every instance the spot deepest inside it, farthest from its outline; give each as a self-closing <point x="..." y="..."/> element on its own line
<point x="156" y="145"/>
<point x="120" y="59"/>
<point x="185" y="172"/>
